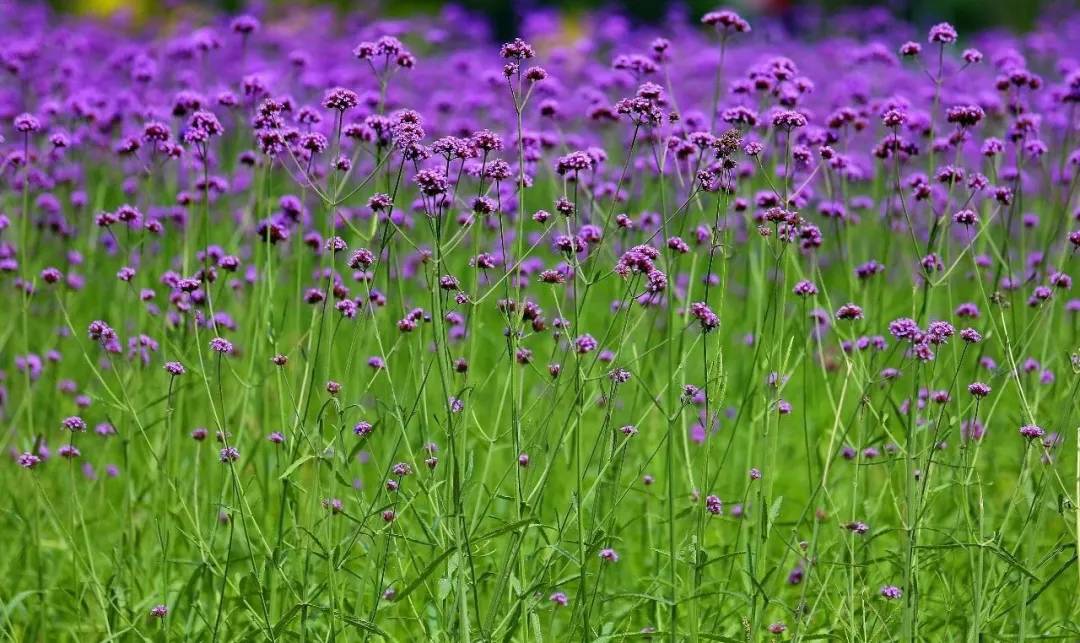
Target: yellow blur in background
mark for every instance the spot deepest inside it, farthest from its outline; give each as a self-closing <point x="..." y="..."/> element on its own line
<point x="133" y="8"/>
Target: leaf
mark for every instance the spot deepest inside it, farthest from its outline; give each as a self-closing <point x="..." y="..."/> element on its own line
<point x="294" y="466"/>
<point x="538" y="632"/>
<point x="774" y="510"/>
<point x="351" y="620"/>
<point x="444" y="588"/>
<point x="423" y="575"/>
<point x="6" y="609"/>
<point x="287" y="618"/>
<point x="341" y="479"/>
<point x="249" y="587"/>
<point x="505" y="528"/>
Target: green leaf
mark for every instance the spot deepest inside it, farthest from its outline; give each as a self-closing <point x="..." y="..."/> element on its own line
<point x="505" y="528"/>
<point x="294" y="466"/>
<point x="423" y="575"/>
<point x="249" y="588"/>
<point x="444" y="588"/>
<point x="774" y="510"/>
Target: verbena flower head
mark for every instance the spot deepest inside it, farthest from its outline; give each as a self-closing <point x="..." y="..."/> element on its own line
<point x="1031" y="431"/>
<point x="726" y="21"/>
<point x="943" y="33"/>
<point x="28" y="460"/>
<point x="221" y="345"/>
<point x="805" y="289"/>
<point x="849" y="312"/>
<point x="585" y="344"/>
<point x="970" y="335"/>
<point x="517" y="50"/>
<point x="340" y="99"/>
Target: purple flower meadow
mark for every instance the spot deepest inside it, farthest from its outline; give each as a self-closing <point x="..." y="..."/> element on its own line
<point x="501" y="327"/>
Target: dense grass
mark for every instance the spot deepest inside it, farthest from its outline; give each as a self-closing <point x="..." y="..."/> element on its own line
<point x="616" y="368"/>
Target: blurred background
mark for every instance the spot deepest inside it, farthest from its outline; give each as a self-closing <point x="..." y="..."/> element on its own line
<point x="966" y="15"/>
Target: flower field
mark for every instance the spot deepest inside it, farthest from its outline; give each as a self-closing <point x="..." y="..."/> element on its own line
<point x="331" y="327"/>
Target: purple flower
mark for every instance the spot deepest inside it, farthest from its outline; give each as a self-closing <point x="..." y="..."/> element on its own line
<point x="340" y="99"/>
<point x="972" y="430"/>
<point x="726" y="21"/>
<point x="805" y="289"/>
<point x="970" y="335"/>
<point x="244" y="25"/>
<point x="891" y="592"/>
<point x="706" y="317"/>
<point x="910" y="49"/>
<point x="26" y="123"/>
<point x="585" y="344"/>
<point x="943" y="33"/>
<point x="787" y="119"/>
<point x="1031" y="431"/>
<point x="856" y="527"/>
<point x="904" y="328"/>
<point x="713" y="505"/>
<point x="75" y="424"/>
<point x="431" y="182"/>
<point x="938" y="332"/>
<point x="795" y="576"/>
<point x="101" y="332"/>
<point x="517" y="50"/>
<point x="221" y="345"/>
<point x="28" y="460"/>
<point x="849" y="311"/>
